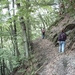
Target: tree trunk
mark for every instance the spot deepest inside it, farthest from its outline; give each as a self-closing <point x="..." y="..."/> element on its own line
<point x="10" y="63"/>
<point x="28" y="30"/>
<point x="1" y="70"/>
<point x="0" y="58"/>
<point x="12" y="39"/>
<point x="24" y="29"/>
<point x="7" y="70"/>
<point x="3" y="67"/>
<point x="28" y="25"/>
<point x="24" y="36"/>
<point x="11" y="32"/>
<point x="2" y="63"/>
<point x="15" y="33"/>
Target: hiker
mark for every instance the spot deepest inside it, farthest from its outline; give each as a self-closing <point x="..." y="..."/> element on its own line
<point x="62" y="8"/>
<point x="62" y="38"/>
<point x="43" y="33"/>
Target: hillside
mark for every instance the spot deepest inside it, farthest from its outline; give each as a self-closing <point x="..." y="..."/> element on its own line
<point x="22" y="49"/>
<point x="46" y="50"/>
<point x="54" y="63"/>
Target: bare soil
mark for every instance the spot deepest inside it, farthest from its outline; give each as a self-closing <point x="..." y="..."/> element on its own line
<point x="55" y="63"/>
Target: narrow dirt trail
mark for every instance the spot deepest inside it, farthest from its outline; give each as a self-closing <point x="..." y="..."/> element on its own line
<point x="55" y="63"/>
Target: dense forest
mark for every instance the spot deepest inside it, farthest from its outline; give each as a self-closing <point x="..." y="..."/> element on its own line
<point x="21" y="22"/>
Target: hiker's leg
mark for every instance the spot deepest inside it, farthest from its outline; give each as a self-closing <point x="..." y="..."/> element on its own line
<point x="60" y="46"/>
<point x="42" y="36"/>
<point x="63" y="46"/>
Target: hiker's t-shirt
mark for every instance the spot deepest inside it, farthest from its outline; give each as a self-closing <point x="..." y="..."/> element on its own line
<point x="43" y="31"/>
<point x="62" y="37"/>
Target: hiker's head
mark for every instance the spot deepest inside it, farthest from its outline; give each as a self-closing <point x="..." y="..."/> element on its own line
<point x="62" y="30"/>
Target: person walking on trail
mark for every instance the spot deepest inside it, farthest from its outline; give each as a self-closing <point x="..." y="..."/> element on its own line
<point x="62" y="38"/>
<point x="43" y="33"/>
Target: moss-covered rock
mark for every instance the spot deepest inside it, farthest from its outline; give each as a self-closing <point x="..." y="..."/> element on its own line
<point x="72" y="38"/>
<point x="69" y="27"/>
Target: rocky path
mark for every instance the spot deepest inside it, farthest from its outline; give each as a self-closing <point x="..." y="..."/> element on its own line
<point x="55" y="63"/>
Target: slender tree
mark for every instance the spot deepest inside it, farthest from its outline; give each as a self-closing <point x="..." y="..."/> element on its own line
<point x="24" y="28"/>
<point x="11" y="30"/>
<point x="15" y="31"/>
<point x="24" y="36"/>
<point x="28" y="25"/>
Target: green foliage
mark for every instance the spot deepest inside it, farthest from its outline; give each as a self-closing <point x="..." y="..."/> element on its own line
<point x="4" y="4"/>
<point x="36" y="14"/>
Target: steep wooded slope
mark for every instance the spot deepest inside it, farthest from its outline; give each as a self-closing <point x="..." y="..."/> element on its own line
<point x="46" y="50"/>
<point x="48" y="60"/>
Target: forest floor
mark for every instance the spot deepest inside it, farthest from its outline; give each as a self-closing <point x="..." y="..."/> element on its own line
<point x="53" y="62"/>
